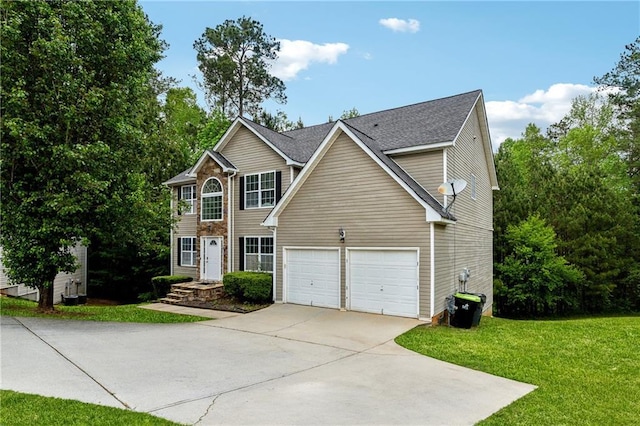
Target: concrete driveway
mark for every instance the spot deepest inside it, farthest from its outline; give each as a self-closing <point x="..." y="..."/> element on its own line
<point x="286" y="364"/>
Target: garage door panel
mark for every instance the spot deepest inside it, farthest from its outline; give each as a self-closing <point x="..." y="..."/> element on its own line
<point x="313" y="277"/>
<point x="384" y="281"/>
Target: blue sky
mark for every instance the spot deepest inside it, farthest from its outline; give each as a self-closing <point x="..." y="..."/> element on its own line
<point x="529" y="58"/>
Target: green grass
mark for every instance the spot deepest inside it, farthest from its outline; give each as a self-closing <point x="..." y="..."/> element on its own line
<point x="587" y="370"/>
<point x="17" y="409"/>
<point x="121" y="313"/>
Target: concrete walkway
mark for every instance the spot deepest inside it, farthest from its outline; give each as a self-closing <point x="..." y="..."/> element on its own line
<point x="286" y="364"/>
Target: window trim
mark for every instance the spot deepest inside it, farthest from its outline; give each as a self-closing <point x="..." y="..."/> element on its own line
<point x="190" y="201"/>
<point x="260" y="190"/>
<point x="212" y="195"/>
<point x="259" y="254"/>
<point x="181" y="251"/>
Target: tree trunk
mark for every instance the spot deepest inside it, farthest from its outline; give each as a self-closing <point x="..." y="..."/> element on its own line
<point x="45" y="304"/>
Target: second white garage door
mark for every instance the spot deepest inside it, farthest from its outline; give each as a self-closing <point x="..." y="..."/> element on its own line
<point x="383" y="281"/>
<point x="312" y="277"/>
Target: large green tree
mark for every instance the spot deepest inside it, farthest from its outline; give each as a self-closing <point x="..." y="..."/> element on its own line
<point x="182" y="120"/>
<point x="235" y="58"/>
<point x="624" y="78"/>
<point x="75" y="88"/>
<point x="534" y="279"/>
<point x="576" y="181"/>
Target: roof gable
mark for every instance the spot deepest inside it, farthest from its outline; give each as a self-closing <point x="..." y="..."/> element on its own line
<point x="434" y="210"/>
<point x="220" y="159"/>
<point x="272" y="139"/>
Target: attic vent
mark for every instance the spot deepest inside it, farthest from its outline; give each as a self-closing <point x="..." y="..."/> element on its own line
<point x="375" y="125"/>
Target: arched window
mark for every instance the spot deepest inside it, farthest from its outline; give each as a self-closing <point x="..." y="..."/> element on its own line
<point x="211" y="200"/>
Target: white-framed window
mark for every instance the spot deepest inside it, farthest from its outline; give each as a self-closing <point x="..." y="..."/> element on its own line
<point x="187" y="251"/>
<point x="260" y="190"/>
<point x="473" y="186"/>
<point x="188" y="198"/>
<point x="211" y="202"/>
<point x="258" y="254"/>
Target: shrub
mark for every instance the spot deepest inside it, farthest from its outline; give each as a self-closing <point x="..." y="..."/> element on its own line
<point x="250" y="286"/>
<point x="162" y="284"/>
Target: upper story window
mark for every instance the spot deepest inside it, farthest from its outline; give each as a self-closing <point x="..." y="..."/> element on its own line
<point x="187" y="195"/>
<point x="211" y="200"/>
<point x="260" y="190"/>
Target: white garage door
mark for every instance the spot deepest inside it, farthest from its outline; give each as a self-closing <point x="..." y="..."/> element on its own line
<point x="383" y="281"/>
<point x="312" y="277"/>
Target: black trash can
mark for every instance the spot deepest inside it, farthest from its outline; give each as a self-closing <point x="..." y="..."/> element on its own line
<point x="478" y="313"/>
<point x="466" y="306"/>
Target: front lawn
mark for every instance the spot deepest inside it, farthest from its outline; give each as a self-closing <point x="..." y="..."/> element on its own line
<point x="587" y="370"/>
<point x="10" y="306"/>
<point x="20" y="409"/>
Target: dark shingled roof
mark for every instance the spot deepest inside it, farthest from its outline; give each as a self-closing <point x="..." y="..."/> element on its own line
<point x="409" y="126"/>
<point x="420" y="124"/>
<point x="221" y="159"/>
<point x="181" y="178"/>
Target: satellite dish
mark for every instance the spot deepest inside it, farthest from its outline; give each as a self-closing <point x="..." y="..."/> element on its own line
<point x="452" y="187"/>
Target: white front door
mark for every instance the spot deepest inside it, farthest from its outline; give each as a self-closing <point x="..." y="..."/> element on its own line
<point x="211" y="258"/>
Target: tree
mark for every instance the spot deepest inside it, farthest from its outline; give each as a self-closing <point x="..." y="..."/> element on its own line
<point x="351" y="113"/>
<point x="212" y="132"/>
<point x="234" y="58"/>
<point x="625" y="80"/>
<point x="577" y="182"/>
<point x="75" y="85"/>
<point x="278" y="122"/>
<point x="183" y="120"/>
<point x="534" y="279"/>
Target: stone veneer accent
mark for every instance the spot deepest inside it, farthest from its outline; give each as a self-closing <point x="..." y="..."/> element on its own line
<point x="217" y="228"/>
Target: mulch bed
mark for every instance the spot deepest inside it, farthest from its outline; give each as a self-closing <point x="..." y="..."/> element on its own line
<point x="226" y="304"/>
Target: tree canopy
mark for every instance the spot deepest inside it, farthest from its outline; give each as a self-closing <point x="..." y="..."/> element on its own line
<point x="76" y="88"/>
<point x="576" y="181"/>
<point x="235" y="58"/>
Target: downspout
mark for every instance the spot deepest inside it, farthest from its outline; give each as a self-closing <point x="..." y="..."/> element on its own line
<point x="230" y="238"/>
<point x="275" y="261"/>
<point x="432" y="267"/>
<point x="445" y="172"/>
<point x="171" y="231"/>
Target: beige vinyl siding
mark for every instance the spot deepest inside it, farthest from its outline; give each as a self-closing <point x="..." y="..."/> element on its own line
<point x="348" y="189"/>
<point x="59" y="283"/>
<point x="185" y="227"/>
<point x="473" y="240"/>
<point x="445" y="280"/>
<point x="426" y="168"/>
<point x="251" y="155"/>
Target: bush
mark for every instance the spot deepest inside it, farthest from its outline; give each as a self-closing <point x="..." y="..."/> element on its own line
<point x="249" y="286"/>
<point x="162" y="284"/>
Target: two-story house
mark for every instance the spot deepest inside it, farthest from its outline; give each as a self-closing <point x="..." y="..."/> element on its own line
<point x="347" y="214"/>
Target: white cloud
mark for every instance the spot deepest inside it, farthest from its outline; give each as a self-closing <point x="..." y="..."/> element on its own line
<point x="401" y="25"/>
<point x="508" y="119"/>
<point x="297" y="55"/>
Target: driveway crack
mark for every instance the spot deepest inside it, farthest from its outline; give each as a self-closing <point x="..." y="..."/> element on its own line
<point x="206" y="412"/>
<point x="124" y="404"/>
